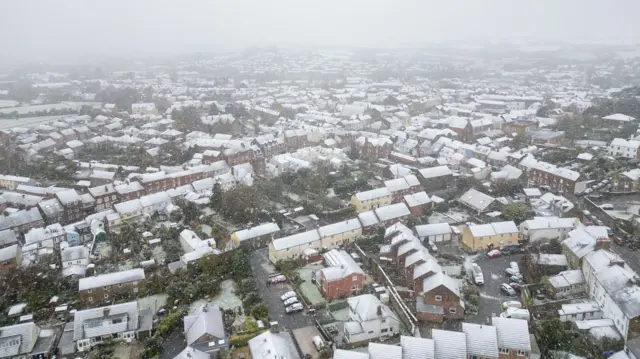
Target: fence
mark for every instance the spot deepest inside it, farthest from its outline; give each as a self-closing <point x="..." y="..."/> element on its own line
<point x="406" y="316"/>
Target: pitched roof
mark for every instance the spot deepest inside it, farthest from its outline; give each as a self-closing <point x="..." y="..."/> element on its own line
<point x="26" y="333"/>
<point x="449" y="344"/>
<point x="417" y="348"/>
<point x="441" y="279"/>
<point x="512" y="333"/>
<point x="273" y="345"/>
<point x="296" y="240"/>
<point x="365" y="306"/>
<point x="433" y="172"/>
<point x="339" y="227"/>
<point x="103" y="280"/>
<point x="433" y="229"/>
<point x="207" y="320"/>
<point x="341" y="265"/>
<point x="373" y="194"/>
<point x="482" y="340"/>
<point x="130" y="309"/>
<point x="257" y="231"/>
<point x="384" y="351"/>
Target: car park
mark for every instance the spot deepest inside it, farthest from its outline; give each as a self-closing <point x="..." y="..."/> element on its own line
<point x="506" y="289"/>
<point x="288" y="295"/>
<point x="297" y="307"/>
<point x="290" y="301"/>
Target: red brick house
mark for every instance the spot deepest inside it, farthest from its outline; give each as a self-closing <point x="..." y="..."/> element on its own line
<point x="295" y="139"/>
<point x="129" y="191"/>
<point x="439" y="299"/>
<point x="392" y="214"/>
<point x="417" y="202"/>
<point x="105" y="196"/>
<point x="211" y="156"/>
<point x="413" y="265"/>
<point x="397" y="235"/>
<point x="373" y="148"/>
<point x="398" y="188"/>
<point x="236" y="156"/>
<point x="342" y="278"/>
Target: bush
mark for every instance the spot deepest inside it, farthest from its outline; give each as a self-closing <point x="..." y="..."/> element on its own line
<point x="260" y="311"/>
<point x="169" y="323"/>
<point x="242" y="340"/>
<point x="251" y="300"/>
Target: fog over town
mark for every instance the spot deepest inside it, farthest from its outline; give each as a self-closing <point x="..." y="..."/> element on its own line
<point x="319" y="179"/>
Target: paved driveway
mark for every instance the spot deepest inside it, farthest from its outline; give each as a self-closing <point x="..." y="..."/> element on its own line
<point x="491" y="298"/>
<point x="271" y="295"/>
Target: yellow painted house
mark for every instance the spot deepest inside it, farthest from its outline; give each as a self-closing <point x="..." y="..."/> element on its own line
<point x="482" y="237"/>
<point x="294" y="246"/>
<point x="369" y="200"/>
<point x="336" y="234"/>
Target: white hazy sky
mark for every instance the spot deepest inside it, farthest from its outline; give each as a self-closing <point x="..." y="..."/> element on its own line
<point x="40" y="30"/>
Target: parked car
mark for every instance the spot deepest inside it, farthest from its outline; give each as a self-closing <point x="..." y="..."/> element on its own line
<point x="288" y="295"/>
<point x="516" y="286"/>
<point x="478" y="277"/>
<point x="290" y="301"/>
<point x="493" y="253"/>
<point x="619" y="241"/>
<point x="277" y="279"/>
<point x="506" y="289"/>
<point x="432" y="247"/>
<point x="318" y="342"/>
<point x="516" y="279"/>
<point x="297" y="307"/>
<point x="511" y="272"/>
<point x="516" y="313"/>
<point x="511" y="304"/>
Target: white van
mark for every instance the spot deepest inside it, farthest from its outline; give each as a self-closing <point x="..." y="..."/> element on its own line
<point x="478" y="277"/>
<point x="607" y="207"/>
<point x="516" y="313"/>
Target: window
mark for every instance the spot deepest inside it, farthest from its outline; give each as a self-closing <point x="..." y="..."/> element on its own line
<point x="504" y="351"/>
<point x="354" y="278"/>
<point x="371" y="332"/>
<point x="438" y="298"/>
<point x="452" y="310"/>
<point x="116" y="321"/>
<point x="106" y="296"/>
<point x="91" y="299"/>
<point x="384" y="330"/>
<point x="521" y="353"/>
<point x="383" y="320"/>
